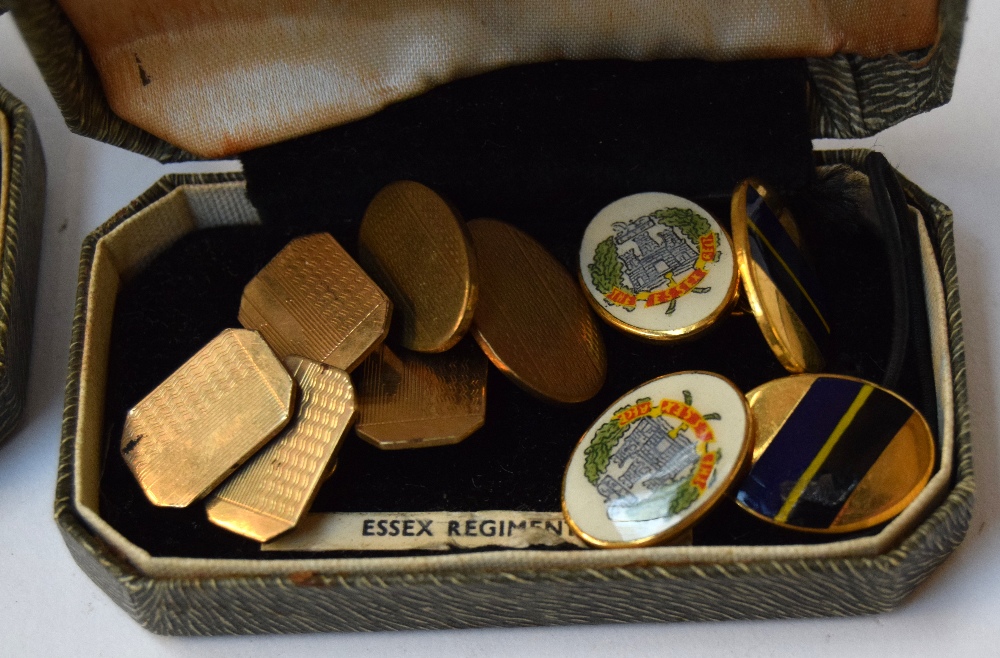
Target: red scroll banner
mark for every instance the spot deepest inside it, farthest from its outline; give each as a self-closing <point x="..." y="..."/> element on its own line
<point x="689" y="416"/>
<point x="708" y="243"/>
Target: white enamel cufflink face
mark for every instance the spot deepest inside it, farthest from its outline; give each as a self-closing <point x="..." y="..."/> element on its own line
<point x="658" y="266"/>
<point x="657" y="460"/>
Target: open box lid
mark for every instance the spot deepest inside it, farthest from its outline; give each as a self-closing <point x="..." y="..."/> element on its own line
<point x="870" y="65"/>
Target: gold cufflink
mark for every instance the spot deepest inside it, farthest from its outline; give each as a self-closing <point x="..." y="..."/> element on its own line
<point x="781" y="287"/>
<point x="272" y="491"/>
<point x="313" y="300"/>
<point x="411" y="400"/>
<point x="531" y="318"/>
<point x="416" y="248"/>
<point x="207" y="418"/>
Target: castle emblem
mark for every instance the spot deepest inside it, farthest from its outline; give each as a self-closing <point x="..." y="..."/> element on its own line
<point x="661" y="256"/>
<point x="656" y="259"/>
<point x="652" y="461"/>
<point x="655" y="454"/>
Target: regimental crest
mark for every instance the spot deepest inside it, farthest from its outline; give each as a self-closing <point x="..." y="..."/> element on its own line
<point x="655" y="259"/>
<point x="653" y="460"/>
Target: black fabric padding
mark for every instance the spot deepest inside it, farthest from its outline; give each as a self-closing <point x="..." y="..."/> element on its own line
<point x="543" y="147"/>
<point x="895" y="222"/>
<point x="549" y="145"/>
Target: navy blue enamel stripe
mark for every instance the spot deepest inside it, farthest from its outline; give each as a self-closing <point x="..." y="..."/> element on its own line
<point x="761" y="217"/>
<point x="876" y="424"/>
<point x="798" y="441"/>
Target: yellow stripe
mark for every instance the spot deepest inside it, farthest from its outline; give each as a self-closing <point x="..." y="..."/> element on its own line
<point x="790" y="273"/>
<point x="824" y="452"/>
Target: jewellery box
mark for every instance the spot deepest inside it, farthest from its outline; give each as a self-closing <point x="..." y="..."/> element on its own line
<point x="505" y="128"/>
<point x="22" y="202"/>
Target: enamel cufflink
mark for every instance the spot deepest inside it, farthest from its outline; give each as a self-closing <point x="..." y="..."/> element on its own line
<point x="658" y="266"/>
<point x="661" y="267"/>
<point x="834" y="454"/>
<point x="781" y="287"/>
<point x="657" y="460"/>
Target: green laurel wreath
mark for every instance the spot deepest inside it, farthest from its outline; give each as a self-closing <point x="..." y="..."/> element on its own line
<point x="598" y="453"/>
<point x="684" y="497"/>
<point x="686" y="493"/>
<point x="606" y="270"/>
<point x="691" y="224"/>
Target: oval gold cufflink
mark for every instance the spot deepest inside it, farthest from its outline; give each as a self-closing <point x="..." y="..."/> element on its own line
<point x="531" y="319"/>
<point x="417" y="249"/>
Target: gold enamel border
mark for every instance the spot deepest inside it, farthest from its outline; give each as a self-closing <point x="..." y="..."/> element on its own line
<point x="811" y="360"/>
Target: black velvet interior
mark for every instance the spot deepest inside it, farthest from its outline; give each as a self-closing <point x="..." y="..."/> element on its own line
<point x="543" y="147"/>
<point x="547" y="146"/>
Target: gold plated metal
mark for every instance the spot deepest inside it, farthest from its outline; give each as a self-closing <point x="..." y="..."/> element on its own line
<point x="657" y="460"/>
<point x="415" y="246"/>
<point x="207" y="418"/>
<point x="332" y="467"/>
<point x="273" y="490"/>
<point x="411" y="400"/>
<point x="532" y="320"/>
<point x="658" y="266"/>
<point x="834" y="454"/>
<point x="313" y="300"/>
<point x="780" y="286"/>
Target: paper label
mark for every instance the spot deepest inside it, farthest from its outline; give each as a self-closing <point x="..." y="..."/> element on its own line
<point x="404" y="531"/>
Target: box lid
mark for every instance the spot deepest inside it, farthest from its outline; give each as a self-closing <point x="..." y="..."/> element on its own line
<point x="861" y="87"/>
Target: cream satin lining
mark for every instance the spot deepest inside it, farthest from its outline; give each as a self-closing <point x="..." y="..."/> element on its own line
<point x="217" y="78"/>
<point x="127" y="248"/>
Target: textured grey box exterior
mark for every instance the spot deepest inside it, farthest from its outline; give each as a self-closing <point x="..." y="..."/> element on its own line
<point x="20" y="247"/>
